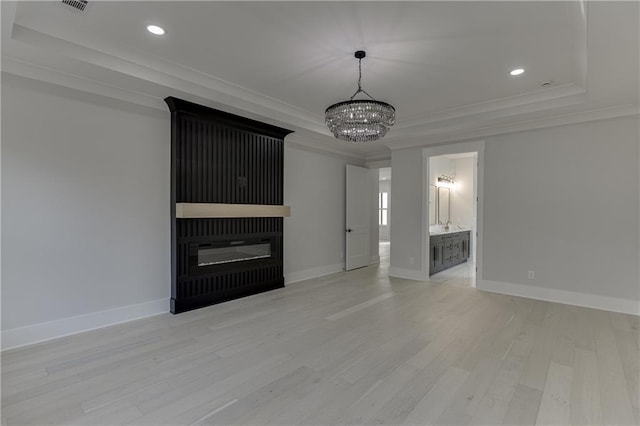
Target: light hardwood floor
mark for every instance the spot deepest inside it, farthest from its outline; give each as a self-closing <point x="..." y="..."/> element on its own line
<point x="350" y="348"/>
<point x="462" y="275"/>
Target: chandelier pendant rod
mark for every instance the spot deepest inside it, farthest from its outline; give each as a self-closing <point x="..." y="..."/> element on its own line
<point x="360" y="89"/>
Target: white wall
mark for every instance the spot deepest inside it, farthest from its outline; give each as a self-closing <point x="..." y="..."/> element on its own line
<point x="314" y="235"/>
<point x="85" y="198"/>
<point x="86" y="219"/>
<point x="562" y="202"/>
<point x="409" y="228"/>
<point x="440" y="165"/>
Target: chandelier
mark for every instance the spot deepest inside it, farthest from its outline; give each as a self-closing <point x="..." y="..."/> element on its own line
<point x="360" y="120"/>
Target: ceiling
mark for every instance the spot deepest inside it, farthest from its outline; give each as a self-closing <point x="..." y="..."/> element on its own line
<point x="443" y="65"/>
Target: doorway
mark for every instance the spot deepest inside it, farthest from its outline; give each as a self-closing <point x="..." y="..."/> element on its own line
<point x="453" y="180"/>
<point x="384" y="214"/>
<point x="367" y="209"/>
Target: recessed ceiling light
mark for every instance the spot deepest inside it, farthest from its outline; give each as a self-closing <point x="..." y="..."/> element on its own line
<point x="154" y="29"/>
<point x="517" y="71"/>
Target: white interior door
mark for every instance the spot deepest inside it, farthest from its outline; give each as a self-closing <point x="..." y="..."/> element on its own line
<point x="358" y="217"/>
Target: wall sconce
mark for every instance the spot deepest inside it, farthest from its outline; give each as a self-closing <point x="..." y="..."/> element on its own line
<point x="445" y="181"/>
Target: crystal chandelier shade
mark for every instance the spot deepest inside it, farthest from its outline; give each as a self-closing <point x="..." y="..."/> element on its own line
<point x="360" y="120"/>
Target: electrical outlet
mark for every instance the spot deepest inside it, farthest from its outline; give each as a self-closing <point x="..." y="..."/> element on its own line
<point x="532" y="275"/>
<point x="412" y="260"/>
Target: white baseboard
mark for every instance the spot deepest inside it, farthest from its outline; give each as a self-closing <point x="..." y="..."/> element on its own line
<point x="409" y="274"/>
<point x="374" y="259"/>
<point x="36" y="333"/>
<point x="594" y="301"/>
<point x="307" y="274"/>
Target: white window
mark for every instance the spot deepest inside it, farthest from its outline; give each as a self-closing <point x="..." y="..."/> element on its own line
<point x="383" y="208"/>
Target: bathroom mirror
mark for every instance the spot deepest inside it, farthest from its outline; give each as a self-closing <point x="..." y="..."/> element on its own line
<point x="443" y="208"/>
<point x="433" y="202"/>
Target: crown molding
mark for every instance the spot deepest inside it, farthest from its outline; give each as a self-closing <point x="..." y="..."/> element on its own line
<point x="305" y="140"/>
<point x="378" y="164"/>
<point x="312" y="143"/>
<point x="168" y="76"/>
<point x="484" y="120"/>
<point x="546" y="98"/>
<point x="379" y="157"/>
<point x="551" y="97"/>
<point x="309" y="140"/>
<point x="155" y="100"/>
<point x="172" y="78"/>
<point x="147" y="81"/>
<point x="606" y="113"/>
<point x="319" y="145"/>
<point x="56" y="77"/>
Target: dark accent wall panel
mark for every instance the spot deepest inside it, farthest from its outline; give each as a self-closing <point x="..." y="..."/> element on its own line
<point x="223" y="159"/>
<point x="219" y="157"/>
<point x="222" y="165"/>
<point x="198" y="292"/>
<point x="229" y="228"/>
<point x="191" y="290"/>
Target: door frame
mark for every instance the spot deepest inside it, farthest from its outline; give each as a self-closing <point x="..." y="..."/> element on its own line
<point x="367" y="174"/>
<point x="375" y="166"/>
<point x="455" y="148"/>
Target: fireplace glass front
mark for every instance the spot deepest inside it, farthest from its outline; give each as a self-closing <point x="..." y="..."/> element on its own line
<point x="237" y="252"/>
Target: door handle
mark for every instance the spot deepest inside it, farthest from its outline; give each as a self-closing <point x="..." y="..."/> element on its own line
<point x="349" y="230"/>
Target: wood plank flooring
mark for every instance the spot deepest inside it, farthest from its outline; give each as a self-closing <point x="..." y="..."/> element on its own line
<point x="350" y="348"/>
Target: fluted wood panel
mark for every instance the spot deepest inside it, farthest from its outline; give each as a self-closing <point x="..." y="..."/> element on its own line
<point x="217" y="163"/>
<point x="223" y="158"/>
<point x="229" y="228"/>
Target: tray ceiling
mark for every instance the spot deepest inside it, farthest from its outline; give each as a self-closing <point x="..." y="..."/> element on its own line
<point x="443" y="65"/>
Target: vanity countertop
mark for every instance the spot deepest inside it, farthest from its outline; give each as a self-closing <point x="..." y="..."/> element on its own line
<point x="440" y="230"/>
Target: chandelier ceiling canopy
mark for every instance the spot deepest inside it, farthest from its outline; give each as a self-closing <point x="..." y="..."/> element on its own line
<point x="363" y="120"/>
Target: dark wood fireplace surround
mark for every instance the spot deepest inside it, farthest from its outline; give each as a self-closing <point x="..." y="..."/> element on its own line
<point x="217" y="157"/>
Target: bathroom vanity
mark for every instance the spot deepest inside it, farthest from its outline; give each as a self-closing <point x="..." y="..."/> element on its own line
<point x="448" y="248"/>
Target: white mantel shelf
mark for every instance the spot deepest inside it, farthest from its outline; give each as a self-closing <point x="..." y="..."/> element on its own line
<point x="213" y="210"/>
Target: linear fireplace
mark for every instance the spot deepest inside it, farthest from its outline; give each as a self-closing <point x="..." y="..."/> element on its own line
<point x="229" y="252"/>
<point x="205" y="257"/>
<point x="224" y="168"/>
<point x="220" y="259"/>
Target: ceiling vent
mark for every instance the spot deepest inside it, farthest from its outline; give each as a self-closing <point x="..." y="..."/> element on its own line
<point x="76" y="4"/>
